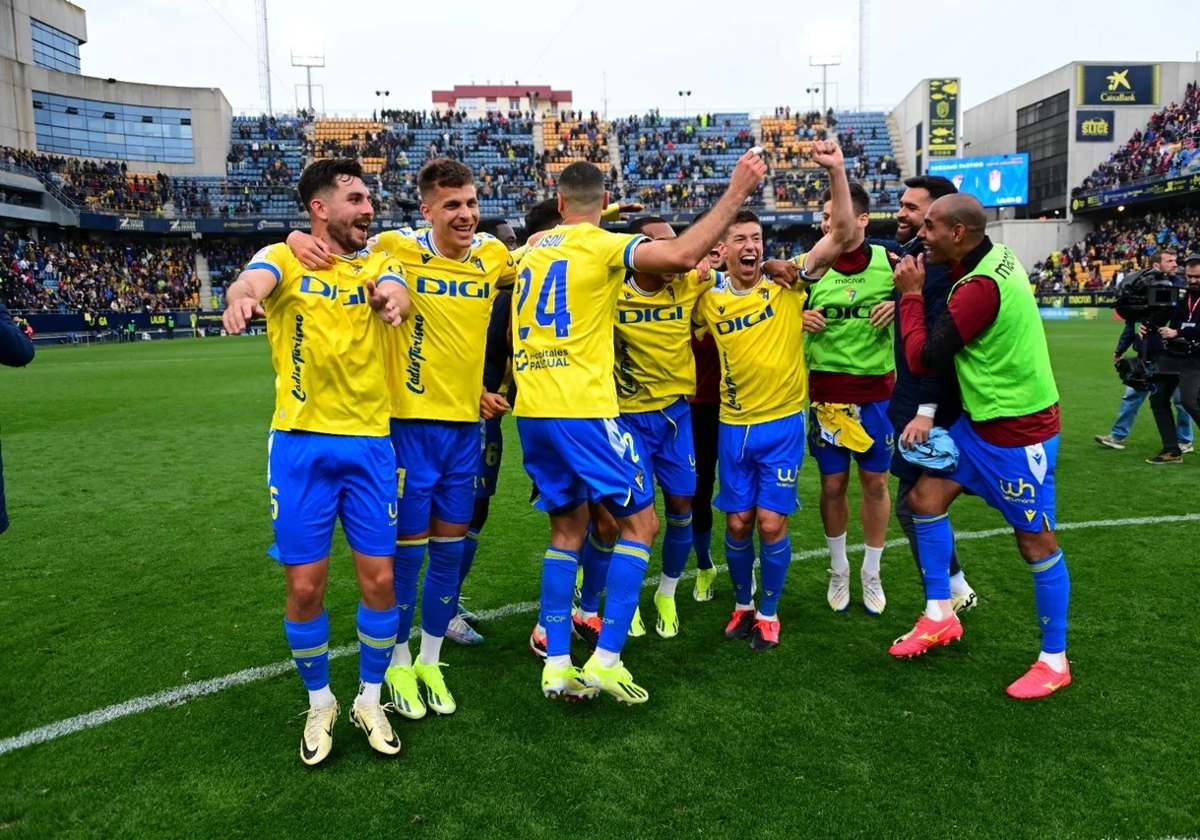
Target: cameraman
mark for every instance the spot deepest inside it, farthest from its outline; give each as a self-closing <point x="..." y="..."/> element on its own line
<point x="1131" y="403"/>
<point x="1179" y="366"/>
<point x="16" y="350"/>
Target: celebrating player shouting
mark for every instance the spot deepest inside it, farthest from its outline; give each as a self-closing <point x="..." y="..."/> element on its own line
<point x="435" y="366"/>
<point x="329" y="454"/>
<point x="758" y="326"/>
<point x="1007" y="438"/>
<point x="567" y="412"/>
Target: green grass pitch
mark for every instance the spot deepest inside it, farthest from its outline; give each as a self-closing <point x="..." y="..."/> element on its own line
<point x="135" y="563"/>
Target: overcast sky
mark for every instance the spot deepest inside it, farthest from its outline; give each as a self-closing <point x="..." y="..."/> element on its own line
<point x="743" y="56"/>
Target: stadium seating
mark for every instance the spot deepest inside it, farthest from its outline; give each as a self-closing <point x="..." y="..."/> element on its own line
<point x="1120" y="245"/>
<point x="681" y="163"/>
<point x="568" y="137"/>
<point x="71" y="272"/>
<point x="870" y="157"/>
<point x="499" y="148"/>
<point x="1170" y="145"/>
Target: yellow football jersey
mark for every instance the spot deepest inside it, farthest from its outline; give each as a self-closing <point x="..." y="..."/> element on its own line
<point x="563" y="313"/>
<point x="327" y="345"/>
<point x="653" y="342"/>
<point x="760" y="338"/>
<point x="435" y="358"/>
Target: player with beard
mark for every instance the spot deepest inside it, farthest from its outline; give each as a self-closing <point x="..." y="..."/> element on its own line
<point x="434" y="374"/>
<point x="758" y="327"/>
<point x="1008" y="436"/>
<point x="921" y="402"/>
<point x="329" y="456"/>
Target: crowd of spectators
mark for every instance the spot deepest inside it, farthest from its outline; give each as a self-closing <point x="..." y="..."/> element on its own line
<point x="1169" y="144"/>
<point x="75" y="273"/>
<point x="1116" y="247"/>
<point x="579" y="136"/>
<point x="652" y="132"/>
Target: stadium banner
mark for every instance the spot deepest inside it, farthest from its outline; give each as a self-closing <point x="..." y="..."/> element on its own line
<point x="78" y="322"/>
<point x="1061" y="300"/>
<point x="1168" y="185"/>
<point x="943" y="118"/>
<point x="1117" y="84"/>
<point x="996" y="180"/>
<point x="1094" y="126"/>
<point x="249" y="224"/>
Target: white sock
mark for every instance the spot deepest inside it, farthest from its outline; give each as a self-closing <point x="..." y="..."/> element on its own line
<point x="559" y="661"/>
<point x="933" y="610"/>
<point x="837" y="555"/>
<point x="666" y="586"/>
<point x="321" y="697"/>
<point x="607" y="658"/>
<point x="870" y="564"/>
<point x="1057" y="661"/>
<point x="958" y="583"/>
<point x="760" y="617"/>
<point x="581" y="614"/>
<point x="749" y="606"/>
<point x="401" y="655"/>
<point x="369" y="692"/>
<point x="431" y="649"/>
<point x="539" y="630"/>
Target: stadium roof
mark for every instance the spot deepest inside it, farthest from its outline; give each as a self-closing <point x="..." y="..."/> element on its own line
<point x="543" y="92"/>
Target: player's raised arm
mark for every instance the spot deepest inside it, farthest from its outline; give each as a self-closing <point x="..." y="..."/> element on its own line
<point x="244" y="297"/>
<point x="842" y="225"/>
<point x="675" y="256"/>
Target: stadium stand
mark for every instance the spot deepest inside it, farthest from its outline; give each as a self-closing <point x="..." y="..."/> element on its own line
<point x="568" y="137"/>
<point x="870" y="157"/>
<point x="1170" y="145"/>
<point x="498" y="147"/>
<point x="681" y="163"/>
<point x="1117" y="247"/>
<point x="64" y="272"/>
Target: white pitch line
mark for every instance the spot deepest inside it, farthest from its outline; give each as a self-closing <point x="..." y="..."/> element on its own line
<point x="181" y="693"/>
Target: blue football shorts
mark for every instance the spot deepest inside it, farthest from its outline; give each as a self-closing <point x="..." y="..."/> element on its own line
<point x="1018" y="481"/>
<point x="758" y="465"/>
<point x="578" y="460"/>
<point x="492" y="451"/>
<point x="665" y="439"/>
<point x="833" y="460"/>
<point x="437" y="467"/>
<point x="315" y="479"/>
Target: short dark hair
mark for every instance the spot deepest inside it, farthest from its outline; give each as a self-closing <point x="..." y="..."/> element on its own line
<point x="490" y="226"/>
<point x="1160" y="253"/>
<point x="321" y="175"/>
<point x="742" y="217"/>
<point x="443" y="172"/>
<point x="935" y="185"/>
<point x="581" y="184"/>
<point x="860" y="199"/>
<point x="542" y="216"/>
<point x="639" y="224"/>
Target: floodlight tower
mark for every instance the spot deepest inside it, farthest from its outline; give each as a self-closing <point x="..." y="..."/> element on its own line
<point x="824" y="62"/>
<point x="313" y="58"/>
<point x="264" y="54"/>
<point x="864" y="49"/>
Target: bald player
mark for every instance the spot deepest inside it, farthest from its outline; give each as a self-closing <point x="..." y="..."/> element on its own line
<point x="1007" y="438"/>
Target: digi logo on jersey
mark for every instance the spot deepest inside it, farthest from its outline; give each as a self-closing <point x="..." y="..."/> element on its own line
<point x="744" y="322"/>
<point x="641" y="316"/>
<point x="454" y="288"/>
<point x="310" y="285"/>
<point x="840" y="312"/>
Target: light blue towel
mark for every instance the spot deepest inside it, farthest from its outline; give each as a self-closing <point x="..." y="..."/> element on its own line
<point x="938" y="454"/>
